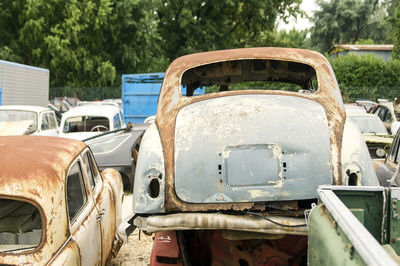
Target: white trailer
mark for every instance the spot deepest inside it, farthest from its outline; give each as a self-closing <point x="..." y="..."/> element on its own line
<point x="23" y="84"/>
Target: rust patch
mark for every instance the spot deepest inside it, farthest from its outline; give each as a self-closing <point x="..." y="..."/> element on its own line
<point x="171" y="102"/>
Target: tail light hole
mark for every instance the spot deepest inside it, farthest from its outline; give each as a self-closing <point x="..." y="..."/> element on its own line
<point x="154" y="188"/>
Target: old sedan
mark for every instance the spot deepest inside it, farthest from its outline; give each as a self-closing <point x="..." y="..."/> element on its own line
<point x="375" y="134"/>
<point x="225" y="178"/>
<point x="89" y="119"/>
<point x="26" y="120"/>
<point x="55" y="206"/>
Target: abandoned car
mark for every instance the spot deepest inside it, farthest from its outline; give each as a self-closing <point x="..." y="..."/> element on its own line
<point x="388" y="172"/>
<point x="228" y="175"/>
<point x="27" y="120"/>
<point x="389" y="113"/>
<point x="375" y="134"/>
<point x="119" y="149"/>
<point x="88" y="120"/>
<point x="55" y="206"/>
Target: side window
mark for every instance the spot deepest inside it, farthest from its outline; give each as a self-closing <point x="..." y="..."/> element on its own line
<point x="394" y="149"/>
<point x="93" y="165"/>
<point x="388" y="116"/>
<point x="122" y="118"/>
<point x="52" y="121"/>
<point x="45" y="122"/>
<point x="381" y="113"/>
<point x="89" y="169"/>
<point x="48" y="121"/>
<point x="117" y="122"/>
<point x="76" y="192"/>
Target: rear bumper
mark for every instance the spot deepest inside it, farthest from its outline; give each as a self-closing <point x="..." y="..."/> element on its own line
<point x="215" y="221"/>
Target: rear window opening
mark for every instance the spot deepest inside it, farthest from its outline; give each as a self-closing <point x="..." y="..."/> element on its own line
<point x="20" y="226"/>
<point x="250" y="75"/>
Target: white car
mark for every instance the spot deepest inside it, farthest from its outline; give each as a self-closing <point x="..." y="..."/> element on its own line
<point x="27" y="120"/>
<point x="89" y="120"/>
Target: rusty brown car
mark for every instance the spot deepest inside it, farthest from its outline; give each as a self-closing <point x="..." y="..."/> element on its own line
<point x="55" y="206"/>
<point x="225" y="178"/>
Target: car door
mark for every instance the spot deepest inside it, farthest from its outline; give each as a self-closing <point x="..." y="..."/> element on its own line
<point x="48" y="124"/>
<point x="103" y="197"/>
<point x="83" y="215"/>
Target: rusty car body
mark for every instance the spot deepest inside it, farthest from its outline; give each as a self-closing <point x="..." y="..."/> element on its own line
<point x="240" y="165"/>
<point x="55" y="206"/>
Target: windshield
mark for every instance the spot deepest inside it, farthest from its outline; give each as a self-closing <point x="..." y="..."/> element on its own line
<point x="20" y="116"/>
<point x="20" y="226"/>
<point x="369" y="124"/>
<point x="86" y="124"/>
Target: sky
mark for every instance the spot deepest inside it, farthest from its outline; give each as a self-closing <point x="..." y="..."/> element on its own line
<point x="302" y="23"/>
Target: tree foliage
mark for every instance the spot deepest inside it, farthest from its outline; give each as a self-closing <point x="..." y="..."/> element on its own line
<point x="348" y="21"/>
<point x="188" y="26"/>
<point x="396" y="34"/>
<point x="90" y="43"/>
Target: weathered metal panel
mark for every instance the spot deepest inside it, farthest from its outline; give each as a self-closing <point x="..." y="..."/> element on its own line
<point x="150" y="167"/>
<point x="171" y="102"/>
<point x="355" y="157"/>
<point x="30" y="167"/>
<point x="24" y="85"/>
<point x="254" y="148"/>
<point x="336" y="236"/>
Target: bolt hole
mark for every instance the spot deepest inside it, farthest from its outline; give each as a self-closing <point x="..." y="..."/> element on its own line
<point x="239" y="248"/>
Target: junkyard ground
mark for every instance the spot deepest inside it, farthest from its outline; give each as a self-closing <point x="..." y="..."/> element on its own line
<point x="135" y="251"/>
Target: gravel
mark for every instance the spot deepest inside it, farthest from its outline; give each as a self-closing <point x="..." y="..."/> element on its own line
<point x="135" y="251"/>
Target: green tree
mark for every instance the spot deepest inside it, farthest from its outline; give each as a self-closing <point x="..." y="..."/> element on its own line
<point x="188" y="26"/>
<point x="348" y="21"/>
<point x="396" y="34"/>
<point x="84" y="43"/>
<point x="292" y="38"/>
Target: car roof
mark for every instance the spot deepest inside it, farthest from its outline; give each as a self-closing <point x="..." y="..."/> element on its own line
<point x="33" y="169"/>
<point x="92" y="110"/>
<point x="32" y="108"/>
<point x="34" y="164"/>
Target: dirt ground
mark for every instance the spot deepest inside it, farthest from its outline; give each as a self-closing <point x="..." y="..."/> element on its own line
<point x="135" y="251"/>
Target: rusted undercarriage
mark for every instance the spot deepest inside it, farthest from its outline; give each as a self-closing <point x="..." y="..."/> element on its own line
<point x="218" y="247"/>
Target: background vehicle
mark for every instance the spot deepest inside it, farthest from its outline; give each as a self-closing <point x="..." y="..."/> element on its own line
<point x="56" y="208"/>
<point x="88" y="120"/>
<point x="354" y="109"/>
<point x="365" y="227"/>
<point x="374" y="133"/>
<point x="140" y="95"/>
<point x="367" y="104"/>
<point x="119" y="149"/>
<point x="385" y="111"/>
<point x="387" y="172"/>
<point x="237" y="167"/>
<point x="26" y="120"/>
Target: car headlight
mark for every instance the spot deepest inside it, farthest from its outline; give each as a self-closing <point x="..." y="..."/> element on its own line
<point x="380" y="152"/>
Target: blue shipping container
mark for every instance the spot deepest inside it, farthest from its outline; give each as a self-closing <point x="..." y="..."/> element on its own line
<point x="140" y="95"/>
